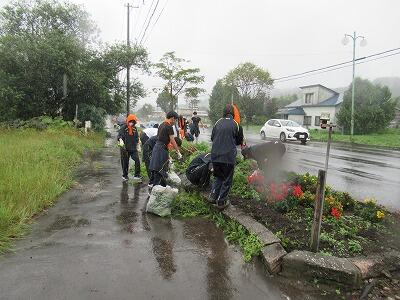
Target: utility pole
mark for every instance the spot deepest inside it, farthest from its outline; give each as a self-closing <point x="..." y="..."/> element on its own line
<point x="128" y="66"/>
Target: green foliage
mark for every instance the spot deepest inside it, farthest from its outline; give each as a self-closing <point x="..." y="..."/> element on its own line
<point x="189" y="152"/>
<point x="58" y="38"/>
<point x="177" y="79"/>
<point x="145" y="112"/>
<point x="252" y="84"/>
<point x="37" y="166"/>
<point x="373" y="108"/>
<point x="221" y="95"/>
<point x="284" y="240"/>
<point x="39" y="123"/>
<point x="188" y="205"/>
<point x="94" y="113"/>
<point x="370" y="211"/>
<point x="240" y="186"/>
<point x="287" y="204"/>
<point x="164" y="101"/>
<point x="236" y="233"/>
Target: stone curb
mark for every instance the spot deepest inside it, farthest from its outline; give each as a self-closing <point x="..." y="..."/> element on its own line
<point x="309" y="265"/>
<point x="273" y="252"/>
<point x="305" y="264"/>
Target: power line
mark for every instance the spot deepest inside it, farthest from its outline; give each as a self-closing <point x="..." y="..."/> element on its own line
<point x="335" y="65"/>
<point x="338" y="68"/>
<point x="145" y="20"/>
<point x="154" y="24"/>
<point x="154" y="10"/>
<point x="137" y="19"/>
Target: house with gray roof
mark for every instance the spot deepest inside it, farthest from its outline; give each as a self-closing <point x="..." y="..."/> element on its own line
<point x="314" y="100"/>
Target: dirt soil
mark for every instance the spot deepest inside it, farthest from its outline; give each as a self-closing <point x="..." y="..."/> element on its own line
<point x="298" y="232"/>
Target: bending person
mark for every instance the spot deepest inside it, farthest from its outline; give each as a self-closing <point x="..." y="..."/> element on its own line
<point x="160" y="156"/>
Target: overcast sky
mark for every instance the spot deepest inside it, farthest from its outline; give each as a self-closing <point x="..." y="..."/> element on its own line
<point x="284" y="37"/>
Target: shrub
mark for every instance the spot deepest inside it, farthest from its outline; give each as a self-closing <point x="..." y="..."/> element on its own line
<point x="370" y="211"/>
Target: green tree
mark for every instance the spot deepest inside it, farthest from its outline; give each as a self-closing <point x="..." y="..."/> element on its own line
<point x="178" y="79"/>
<point x="146" y="111"/>
<point x="373" y="108"/>
<point x="284" y="100"/>
<point x="164" y="101"/>
<point x="253" y="84"/>
<point x="192" y="96"/>
<point x="43" y="42"/>
<point x="221" y="95"/>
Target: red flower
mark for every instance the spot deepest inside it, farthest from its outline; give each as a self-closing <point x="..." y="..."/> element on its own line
<point x="297" y="191"/>
<point x="336" y="213"/>
<point x="257" y="178"/>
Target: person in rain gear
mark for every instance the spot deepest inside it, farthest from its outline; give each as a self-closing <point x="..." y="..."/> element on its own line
<point x="128" y="139"/>
<point x="147" y="154"/>
<point x="195" y="129"/>
<point x="225" y="136"/>
<point x="268" y="156"/>
<point x="160" y="156"/>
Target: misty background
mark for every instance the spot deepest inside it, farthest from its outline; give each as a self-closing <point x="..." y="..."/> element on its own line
<point x="284" y="37"/>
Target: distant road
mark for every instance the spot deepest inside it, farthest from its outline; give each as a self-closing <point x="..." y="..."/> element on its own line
<point x="360" y="170"/>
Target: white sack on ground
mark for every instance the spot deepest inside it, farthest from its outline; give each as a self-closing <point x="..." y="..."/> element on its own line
<point x="160" y="200"/>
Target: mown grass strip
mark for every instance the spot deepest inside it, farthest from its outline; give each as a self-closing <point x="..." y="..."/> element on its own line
<point x="36" y="167"/>
<point x="389" y="138"/>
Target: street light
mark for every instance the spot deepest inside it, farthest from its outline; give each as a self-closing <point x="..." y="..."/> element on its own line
<point x="363" y="43"/>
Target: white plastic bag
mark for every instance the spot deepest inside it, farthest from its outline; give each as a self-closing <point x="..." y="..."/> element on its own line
<point x="160" y="200"/>
<point x="173" y="179"/>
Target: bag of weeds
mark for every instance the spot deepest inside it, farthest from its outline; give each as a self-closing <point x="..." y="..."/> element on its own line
<point x="173" y="179"/>
<point x="160" y="200"/>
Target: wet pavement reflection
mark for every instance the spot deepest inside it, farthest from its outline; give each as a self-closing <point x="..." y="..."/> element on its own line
<point x="121" y="252"/>
<point x="211" y="241"/>
<point x="362" y="171"/>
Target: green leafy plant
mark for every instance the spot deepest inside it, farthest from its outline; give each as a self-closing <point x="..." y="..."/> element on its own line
<point x="187" y="205"/>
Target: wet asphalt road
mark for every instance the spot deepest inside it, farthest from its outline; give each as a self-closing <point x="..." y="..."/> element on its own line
<point x="98" y="243"/>
<point x="362" y="171"/>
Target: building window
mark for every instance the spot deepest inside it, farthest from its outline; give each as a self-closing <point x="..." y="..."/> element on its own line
<point x="307" y="120"/>
<point x="317" y="121"/>
<point x="309" y="98"/>
<point x="285" y="117"/>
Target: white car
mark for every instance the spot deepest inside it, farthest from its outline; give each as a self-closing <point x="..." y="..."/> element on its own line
<point x="285" y="130"/>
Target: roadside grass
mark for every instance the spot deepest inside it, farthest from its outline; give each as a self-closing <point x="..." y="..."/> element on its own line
<point x="388" y="138"/>
<point x="36" y="167"/>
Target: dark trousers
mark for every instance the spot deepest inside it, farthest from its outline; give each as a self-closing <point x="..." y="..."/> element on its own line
<point x="223" y="174"/>
<point x="158" y="178"/>
<point x="125" y="162"/>
<point x="143" y="138"/>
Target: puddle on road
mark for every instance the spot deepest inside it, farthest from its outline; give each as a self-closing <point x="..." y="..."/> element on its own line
<point x="127" y="217"/>
<point x="65" y="222"/>
<point x="61" y="222"/>
<point x="163" y="252"/>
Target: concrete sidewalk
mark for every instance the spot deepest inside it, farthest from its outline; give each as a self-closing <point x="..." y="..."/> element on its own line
<point x="97" y="242"/>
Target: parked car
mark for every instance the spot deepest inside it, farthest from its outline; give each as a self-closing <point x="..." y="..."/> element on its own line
<point x="285" y="130"/>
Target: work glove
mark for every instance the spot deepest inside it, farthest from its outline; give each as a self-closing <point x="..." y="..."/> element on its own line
<point x="121" y="143"/>
<point x="179" y="156"/>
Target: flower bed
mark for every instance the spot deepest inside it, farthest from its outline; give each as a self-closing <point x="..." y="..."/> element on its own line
<point x="349" y="227"/>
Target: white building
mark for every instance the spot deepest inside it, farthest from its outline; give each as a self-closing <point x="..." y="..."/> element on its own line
<point x="314" y="100"/>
